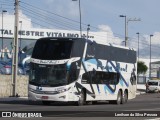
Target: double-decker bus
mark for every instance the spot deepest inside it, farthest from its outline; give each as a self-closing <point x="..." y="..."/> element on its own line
<point x="81" y="70"/>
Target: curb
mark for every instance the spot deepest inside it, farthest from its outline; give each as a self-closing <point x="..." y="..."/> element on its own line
<point x="140" y="93"/>
<point x="13" y="99"/>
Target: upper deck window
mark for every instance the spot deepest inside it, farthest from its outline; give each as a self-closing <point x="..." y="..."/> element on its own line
<point x="52" y="49"/>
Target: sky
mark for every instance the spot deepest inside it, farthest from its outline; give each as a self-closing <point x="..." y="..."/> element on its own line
<point x="101" y="15"/>
<point x="106" y="12"/>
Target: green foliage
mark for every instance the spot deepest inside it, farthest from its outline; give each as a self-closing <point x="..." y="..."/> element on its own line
<point x="141" y="68"/>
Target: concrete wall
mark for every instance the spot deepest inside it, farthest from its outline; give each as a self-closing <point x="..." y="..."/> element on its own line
<point x="22" y="86"/>
<point x="6" y="86"/>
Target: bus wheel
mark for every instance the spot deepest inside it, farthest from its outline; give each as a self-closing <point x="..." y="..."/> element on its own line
<point x="46" y="102"/>
<point x="119" y="98"/>
<point x="82" y="99"/>
<point x="124" y="98"/>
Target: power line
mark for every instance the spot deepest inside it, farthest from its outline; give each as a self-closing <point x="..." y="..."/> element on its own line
<point x="66" y="21"/>
<point x="52" y="13"/>
<point x="67" y="18"/>
<point x="49" y="19"/>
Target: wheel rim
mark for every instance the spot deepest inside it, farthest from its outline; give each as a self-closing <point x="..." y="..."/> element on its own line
<point x="125" y="97"/>
<point x="119" y="98"/>
<point x="81" y="99"/>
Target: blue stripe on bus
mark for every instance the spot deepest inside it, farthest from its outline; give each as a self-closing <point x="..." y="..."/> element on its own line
<point x="108" y="89"/>
<point x="120" y="74"/>
<point x="121" y="82"/>
<point x="98" y="89"/>
<point x="68" y="66"/>
<point x="93" y="61"/>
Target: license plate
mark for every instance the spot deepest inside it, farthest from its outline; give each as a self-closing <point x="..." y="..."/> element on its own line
<point x="45" y="97"/>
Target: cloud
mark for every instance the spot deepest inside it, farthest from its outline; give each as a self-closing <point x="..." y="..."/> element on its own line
<point x="65" y="8"/>
<point x="144" y="45"/>
<point x="26" y="21"/>
<point x="156" y="38"/>
<point x="105" y="28"/>
<point x="144" y="42"/>
<point x="110" y="36"/>
<point x="10" y="21"/>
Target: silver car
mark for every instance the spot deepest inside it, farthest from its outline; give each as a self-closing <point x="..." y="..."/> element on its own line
<point x="153" y="86"/>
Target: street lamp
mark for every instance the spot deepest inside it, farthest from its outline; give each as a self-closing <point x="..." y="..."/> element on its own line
<point x="138" y="44"/>
<point x="125" y="28"/>
<point x="150" y="58"/>
<point x="3" y="11"/>
<point x="80" y="17"/>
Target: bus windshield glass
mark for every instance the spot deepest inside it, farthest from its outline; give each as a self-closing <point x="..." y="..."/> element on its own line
<point x="153" y="83"/>
<point x="48" y="75"/>
<point x="52" y="50"/>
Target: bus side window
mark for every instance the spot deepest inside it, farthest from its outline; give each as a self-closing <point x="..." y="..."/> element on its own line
<point x="73" y="76"/>
<point x="86" y="78"/>
<point x="98" y="78"/>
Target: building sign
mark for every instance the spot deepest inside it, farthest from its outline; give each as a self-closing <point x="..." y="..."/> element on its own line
<point x="32" y="34"/>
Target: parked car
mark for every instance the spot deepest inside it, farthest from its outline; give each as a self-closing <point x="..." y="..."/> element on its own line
<point x="153" y="86"/>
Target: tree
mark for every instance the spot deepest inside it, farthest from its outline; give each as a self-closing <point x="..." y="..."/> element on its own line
<point x="141" y="68"/>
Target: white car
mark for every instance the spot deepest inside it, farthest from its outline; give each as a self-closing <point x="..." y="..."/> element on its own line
<point x="153" y="86"/>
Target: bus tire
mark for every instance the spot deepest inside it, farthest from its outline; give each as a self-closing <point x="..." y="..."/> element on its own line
<point x="124" y="98"/>
<point x="46" y="102"/>
<point x="82" y="98"/>
<point x="119" y="98"/>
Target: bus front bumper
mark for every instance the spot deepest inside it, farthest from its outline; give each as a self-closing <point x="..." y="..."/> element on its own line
<point x="61" y="97"/>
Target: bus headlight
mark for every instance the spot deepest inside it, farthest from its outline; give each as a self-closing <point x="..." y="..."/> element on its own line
<point x="61" y="90"/>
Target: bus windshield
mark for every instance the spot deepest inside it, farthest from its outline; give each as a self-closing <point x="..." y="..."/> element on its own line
<point x="153" y="83"/>
<point x="48" y="75"/>
<point x="52" y="49"/>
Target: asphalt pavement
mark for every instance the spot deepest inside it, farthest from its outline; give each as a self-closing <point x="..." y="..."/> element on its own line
<point x="139" y="92"/>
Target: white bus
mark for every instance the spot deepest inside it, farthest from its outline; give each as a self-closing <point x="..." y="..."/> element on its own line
<point x="80" y="70"/>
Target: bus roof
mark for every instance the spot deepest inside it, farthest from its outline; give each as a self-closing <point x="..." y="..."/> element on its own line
<point x="89" y="40"/>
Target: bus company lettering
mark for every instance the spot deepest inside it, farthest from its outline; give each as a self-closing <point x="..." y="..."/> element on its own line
<point x="48" y="62"/>
<point x="109" y="67"/>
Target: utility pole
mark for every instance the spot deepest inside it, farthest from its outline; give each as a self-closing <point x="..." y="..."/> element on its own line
<point x="80" y="17"/>
<point x="132" y="20"/>
<point x="126" y="27"/>
<point x="138" y="44"/>
<point x="150" y="58"/>
<point x="15" y="50"/>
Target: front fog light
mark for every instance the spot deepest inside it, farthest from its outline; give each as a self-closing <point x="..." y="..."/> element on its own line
<point x="64" y="96"/>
